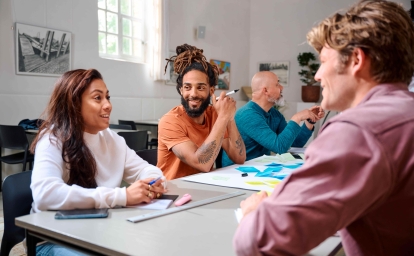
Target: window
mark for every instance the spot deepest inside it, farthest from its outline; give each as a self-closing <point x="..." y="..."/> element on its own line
<point x="121" y="28"/>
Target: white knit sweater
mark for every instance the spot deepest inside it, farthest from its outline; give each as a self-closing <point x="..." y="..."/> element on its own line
<point x="114" y="161"/>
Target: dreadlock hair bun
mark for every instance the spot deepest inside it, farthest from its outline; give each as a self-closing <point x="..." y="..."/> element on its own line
<point x="186" y="47"/>
<point x="187" y="54"/>
<point x="191" y="58"/>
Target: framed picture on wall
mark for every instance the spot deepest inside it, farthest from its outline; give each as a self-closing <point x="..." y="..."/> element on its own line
<point x="170" y="70"/>
<point x="280" y="68"/>
<point x="224" y="74"/>
<point x="42" y="51"/>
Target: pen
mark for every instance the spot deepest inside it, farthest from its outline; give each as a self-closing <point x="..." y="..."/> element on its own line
<point x="154" y="180"/>
<point x="231" y="92"/>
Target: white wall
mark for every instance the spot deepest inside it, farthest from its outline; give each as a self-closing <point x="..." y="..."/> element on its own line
<point x="278" y="31"/>
<point x="227" y="33"/>
<point x="135" y="95"/>
<point x="242" y="32"/>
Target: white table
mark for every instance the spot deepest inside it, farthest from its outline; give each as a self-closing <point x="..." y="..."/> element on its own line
<point x="204" y="230"/>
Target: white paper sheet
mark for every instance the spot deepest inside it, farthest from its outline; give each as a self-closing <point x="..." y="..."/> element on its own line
<point x="239" y="214"/>
<point x="231" y="177"/>
<point x="156" y="204"/>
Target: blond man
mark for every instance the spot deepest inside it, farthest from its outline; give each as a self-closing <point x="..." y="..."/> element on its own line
<point x="358" y="175"/>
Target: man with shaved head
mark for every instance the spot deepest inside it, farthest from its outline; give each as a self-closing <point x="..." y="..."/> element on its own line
<point x="263" y="128"/>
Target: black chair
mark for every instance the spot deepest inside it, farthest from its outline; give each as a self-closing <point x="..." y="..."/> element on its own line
<point x="218" y="161"/>
<point x="136" y="140"/>
<point x="17" y="201"/>
<point x="14" y="137"/>
<point x="153" y="142"/>
<point x="128" y="122"/>
<point x="120" y="126"/>
<point x="149" y="155"/>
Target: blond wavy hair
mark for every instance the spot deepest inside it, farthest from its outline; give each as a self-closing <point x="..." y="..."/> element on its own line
<point x="382" y="29"/>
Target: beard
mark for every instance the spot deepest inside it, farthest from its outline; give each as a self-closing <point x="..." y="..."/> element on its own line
<point x="278" y="102"/>
<point x="196" y="112"/>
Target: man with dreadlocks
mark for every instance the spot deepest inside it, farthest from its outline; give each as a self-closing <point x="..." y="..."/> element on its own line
<point x="191" y="135"/>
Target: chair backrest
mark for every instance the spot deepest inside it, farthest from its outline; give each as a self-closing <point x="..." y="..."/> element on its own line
<point x="128" y="122"/>
<point x="149" y="155"/>
<point x="136" y="140"/>
<point x="120" y="126"/>
<point x="17" y="201"/>
<point x="13" y="137"/>
<point x="218" y="161"/>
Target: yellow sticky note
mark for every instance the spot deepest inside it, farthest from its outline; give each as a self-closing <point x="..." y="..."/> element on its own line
<point x="271" y="183"/>
<point x="255" y="183"/>
<point x="268" y="192"/>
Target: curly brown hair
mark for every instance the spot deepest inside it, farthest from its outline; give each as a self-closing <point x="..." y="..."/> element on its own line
<point x="382" y="29"/>
<point x="191" y="58"/>
<point x="65" y="122"/>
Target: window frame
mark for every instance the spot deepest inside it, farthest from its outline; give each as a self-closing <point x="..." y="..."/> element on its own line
<point x="144" y="36"/>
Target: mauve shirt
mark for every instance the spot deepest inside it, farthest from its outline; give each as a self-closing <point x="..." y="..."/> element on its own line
<point x="358" y="178"/>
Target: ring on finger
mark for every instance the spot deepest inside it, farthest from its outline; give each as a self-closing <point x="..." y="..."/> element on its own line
<point x="149" y="187"/>
<point x="158" y="195"/>
<point x="149" y="194"/>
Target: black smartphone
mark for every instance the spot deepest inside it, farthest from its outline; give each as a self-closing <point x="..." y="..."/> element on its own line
<point x="171" y="197"/>
<point x="296" y="156"/>
<point x="82" y="214"/>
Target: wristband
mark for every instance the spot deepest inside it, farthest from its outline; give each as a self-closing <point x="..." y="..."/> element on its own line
<point x="310" y="121"/>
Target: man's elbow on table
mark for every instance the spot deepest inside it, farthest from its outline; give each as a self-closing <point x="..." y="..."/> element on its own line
<point x="239" y="158"/>
<point x="243" y="243"/>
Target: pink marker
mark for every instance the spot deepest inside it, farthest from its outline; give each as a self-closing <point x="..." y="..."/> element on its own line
<point x="183" y="200"/>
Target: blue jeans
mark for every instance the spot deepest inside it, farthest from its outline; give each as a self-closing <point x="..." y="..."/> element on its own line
<point x="48" y="249"/>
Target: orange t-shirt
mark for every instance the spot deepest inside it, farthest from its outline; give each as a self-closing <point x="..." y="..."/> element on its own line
<point x="174" y="128"/>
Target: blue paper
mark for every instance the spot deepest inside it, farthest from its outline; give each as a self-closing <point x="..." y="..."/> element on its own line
<point x="264" y="174"/>
<point x="280" y="176"/>
<point x="273" y="164"/>
<point x="247" y="169"/>
<point x="292" y="166"/>
<point x="274" y="169"/>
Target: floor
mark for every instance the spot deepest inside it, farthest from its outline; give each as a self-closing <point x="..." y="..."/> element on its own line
<point x="18" y="250"/>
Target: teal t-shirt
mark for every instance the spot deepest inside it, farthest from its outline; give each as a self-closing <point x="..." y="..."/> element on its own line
<point x="263" y="132"/>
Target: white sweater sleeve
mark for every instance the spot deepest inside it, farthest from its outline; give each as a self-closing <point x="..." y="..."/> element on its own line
<point x="50" y="192"/>
<point x="137" y="169"/>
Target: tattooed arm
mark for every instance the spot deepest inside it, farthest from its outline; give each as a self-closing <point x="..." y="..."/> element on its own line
<point x="202" y="158"/>
<point x="234" y="145"/>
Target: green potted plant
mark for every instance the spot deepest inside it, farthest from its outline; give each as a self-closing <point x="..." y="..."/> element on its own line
<point x="307" y="61"/>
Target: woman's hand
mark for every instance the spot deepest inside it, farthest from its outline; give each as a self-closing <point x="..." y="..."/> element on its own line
<point x="140" y="191"/>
